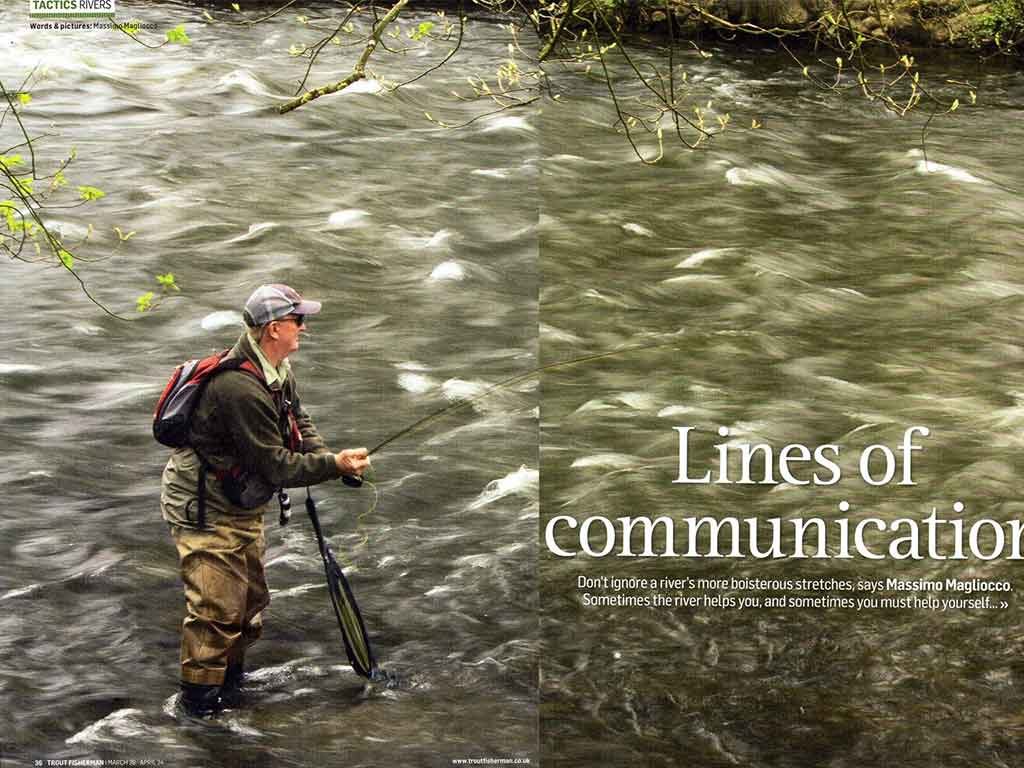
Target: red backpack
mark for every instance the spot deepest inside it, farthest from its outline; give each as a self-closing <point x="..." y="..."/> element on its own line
<point x="172" y="417"/>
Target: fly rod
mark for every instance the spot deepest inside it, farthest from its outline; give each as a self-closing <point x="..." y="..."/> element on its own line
<point x="504" y="384"/>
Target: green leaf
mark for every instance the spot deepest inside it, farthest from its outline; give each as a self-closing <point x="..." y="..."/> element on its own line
<point x="66" y="258"/>
<point x="167" y="282"/>
<point x="9" y="210"/>
<point x="178" y="35"/>
<point x="145" y="302"/>
<point x="23" y="186"/>
<point x="121" y="235"/>
<point x="24" y="97"/>
<point x="955" y="105"/>
<point x="91" y="193"/>
<point x="207" y="16"/>
<point x="9" y="161"/>
<point x="236" y="7"/>
<point x="59" y="180"/>
<point x="421" y="31"/>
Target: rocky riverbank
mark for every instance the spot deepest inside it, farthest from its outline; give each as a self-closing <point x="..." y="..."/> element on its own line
<point x="937" y="23"/>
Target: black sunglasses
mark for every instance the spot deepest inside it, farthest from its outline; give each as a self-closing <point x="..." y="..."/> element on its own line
<point x="299" y="319"/>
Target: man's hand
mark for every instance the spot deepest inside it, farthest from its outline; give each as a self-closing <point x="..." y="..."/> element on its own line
<point x="352" y="461"/>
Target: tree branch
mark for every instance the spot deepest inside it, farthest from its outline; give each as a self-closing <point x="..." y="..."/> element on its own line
<point x="358" y="71"/>
<point x="549" y="46"/>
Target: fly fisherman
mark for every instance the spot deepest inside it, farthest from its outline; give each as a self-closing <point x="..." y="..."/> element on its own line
<point x="249" y="437"/>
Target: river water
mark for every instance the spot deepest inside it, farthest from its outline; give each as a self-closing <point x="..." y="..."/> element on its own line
<point x="421" y="242"/>
<point x="811" y="282"/>
<point x="814" y="281"/>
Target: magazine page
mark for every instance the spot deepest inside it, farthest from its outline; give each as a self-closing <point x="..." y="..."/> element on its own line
<point x="781" y="416"/>
<point x="161" y="186"/>
<point x="673" y="423"/>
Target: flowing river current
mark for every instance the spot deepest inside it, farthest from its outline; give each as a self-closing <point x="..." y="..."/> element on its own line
<point x="815" y="281"/>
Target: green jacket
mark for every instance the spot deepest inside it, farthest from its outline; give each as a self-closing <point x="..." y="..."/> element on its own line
<point x="238" y="423"/>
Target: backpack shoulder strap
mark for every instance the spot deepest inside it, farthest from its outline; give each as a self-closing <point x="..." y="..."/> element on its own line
<point x="241" y="364"/>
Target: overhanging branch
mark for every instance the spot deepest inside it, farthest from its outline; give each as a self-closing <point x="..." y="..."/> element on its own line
<point x="358" y="71"/>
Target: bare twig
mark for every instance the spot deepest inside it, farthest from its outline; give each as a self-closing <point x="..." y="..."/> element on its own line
<point x="446" y="59"/>
<point x="504" y="108"/>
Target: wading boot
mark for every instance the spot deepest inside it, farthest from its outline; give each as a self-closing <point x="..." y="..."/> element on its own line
<point x="201" y="700"/>
<point x="231" y="691"/>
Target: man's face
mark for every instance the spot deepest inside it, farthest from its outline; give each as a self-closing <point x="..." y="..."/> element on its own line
<point x="288" y="328"/>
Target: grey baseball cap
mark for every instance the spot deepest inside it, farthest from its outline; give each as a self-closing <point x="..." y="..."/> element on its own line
<point x="272" y="302"/>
